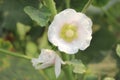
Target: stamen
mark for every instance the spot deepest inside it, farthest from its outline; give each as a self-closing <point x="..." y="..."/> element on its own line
<point x="68" y="32"/>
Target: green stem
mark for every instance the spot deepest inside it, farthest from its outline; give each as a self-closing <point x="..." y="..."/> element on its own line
<point x="68" y="72"/>
<point x="51" y="5"/>
<point x="86" y="6"/>
<point x="68" y="68"/>
<point x="67" y="2"/>
<point x="3" y="51"/>
<point x="43" y="74"/>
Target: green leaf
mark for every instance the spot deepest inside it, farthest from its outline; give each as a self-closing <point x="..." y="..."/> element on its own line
<point x="78" y="66"/>
<point x="41" y="16"/>
<point x="100" y="3"/>
<point x="118" y="50"/>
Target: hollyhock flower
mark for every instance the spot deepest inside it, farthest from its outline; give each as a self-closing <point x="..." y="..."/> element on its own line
<point x="48" y="58"/>
<point x="70" y="31"/>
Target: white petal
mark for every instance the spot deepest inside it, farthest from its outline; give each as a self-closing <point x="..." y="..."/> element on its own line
<point x="84" y="38"/>
<point x="57" y="66"/>
<point x="52" y="59"/>
<point x="68" y="49"/>
<point x="85" y="31"/>
<point x="35" y="62"/>
<point x="84" y="25"/>
<point x="45" y="59"/>
<point x="60" y="19"/>
<point x="47" y="56"/>
<point x="84" y="17"/>
<point x="85" y="43"/>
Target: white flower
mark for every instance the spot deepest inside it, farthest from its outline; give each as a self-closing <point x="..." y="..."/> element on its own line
<point x="48" y="58"/>
<point x="70" y="31"/>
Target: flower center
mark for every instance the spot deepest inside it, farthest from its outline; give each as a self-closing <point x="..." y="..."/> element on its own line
<point x="68" y="32"/>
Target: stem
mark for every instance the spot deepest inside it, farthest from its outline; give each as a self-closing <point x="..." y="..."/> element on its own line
<point x="3" y="51"/>
<point x="68" y="68"/>
<point x="51" y="5"/>
<point x="43" y="74"/>
<point x="86" y="6"/>
<point x="68" y="72"/>
<point x="67" y="2"/>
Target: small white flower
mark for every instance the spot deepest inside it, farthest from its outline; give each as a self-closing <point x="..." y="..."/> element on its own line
<point x="70" y="31"/>
<point x="48" y="58"/>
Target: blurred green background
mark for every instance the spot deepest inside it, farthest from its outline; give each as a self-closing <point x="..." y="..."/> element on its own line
<point x="19" y="33"/>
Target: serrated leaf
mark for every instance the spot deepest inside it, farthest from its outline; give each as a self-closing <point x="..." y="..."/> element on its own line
<point x="118" y="50"/>
<point x="41" y="16"/>
<point x="100" y="3"/>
